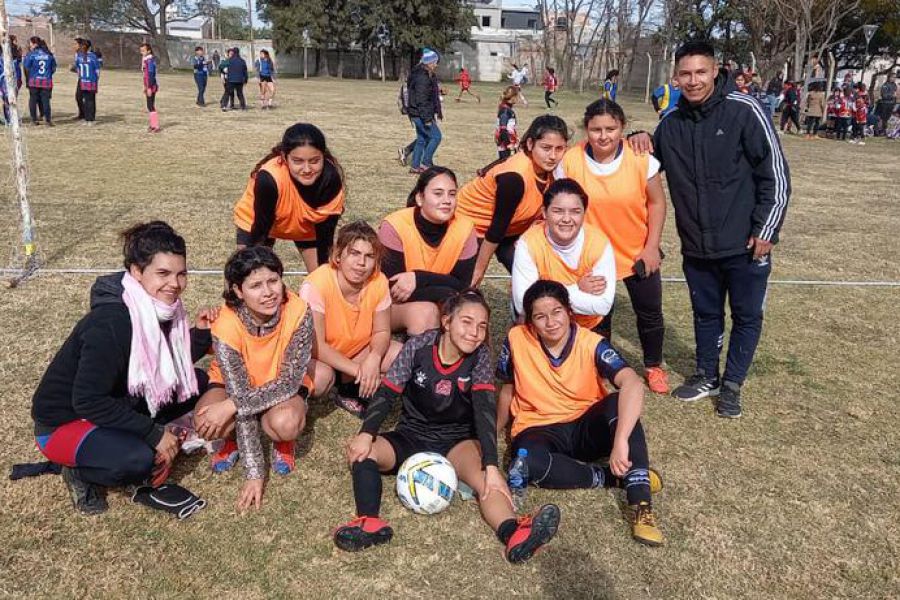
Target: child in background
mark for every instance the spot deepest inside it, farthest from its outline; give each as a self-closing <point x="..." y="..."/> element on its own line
<point x="551" y="83"/>
<point x="265" y="67"/>
<point x="148" y="68"/>
<point x="39" y="66"/>
<point x="845" y="114"/>
<point x="860" y="116"/>
<point x="87" y="65"/>
<point x="465" y="85"/>
<point x="831" y="117"/>
<point x="505" y="134"/>
<point x="790" y="111"/>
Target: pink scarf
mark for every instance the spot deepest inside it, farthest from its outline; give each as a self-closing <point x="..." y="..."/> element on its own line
<point x="158" y="368"/>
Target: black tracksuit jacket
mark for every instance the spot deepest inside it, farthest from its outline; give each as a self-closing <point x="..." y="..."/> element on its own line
<point x="728" y="178"/>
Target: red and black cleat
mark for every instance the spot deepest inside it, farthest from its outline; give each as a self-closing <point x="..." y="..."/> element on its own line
<point x="361" y="533"/>
<point x="533" y="532"/>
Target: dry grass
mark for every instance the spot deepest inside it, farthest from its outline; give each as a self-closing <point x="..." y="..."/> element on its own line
<point x="798" y="499"/>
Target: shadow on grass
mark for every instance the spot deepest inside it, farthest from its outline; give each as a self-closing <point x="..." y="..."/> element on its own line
<point x="570" y="573"/>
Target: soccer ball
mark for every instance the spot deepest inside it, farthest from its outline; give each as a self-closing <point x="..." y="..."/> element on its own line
<point x="426" y="483"/>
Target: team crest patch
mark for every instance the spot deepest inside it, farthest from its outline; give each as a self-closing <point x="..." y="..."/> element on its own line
<point x="443" y="387"/>
<point x="420" y="379"/>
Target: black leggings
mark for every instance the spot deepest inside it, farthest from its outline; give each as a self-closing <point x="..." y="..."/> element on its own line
<point x="857" y="131"/>
<point x="151" y="102"/>
<point x="79" y="100"/>
<point x="39" y="100"/>
<point x="842" y="123"/>
<point x="556" y="452"/>
<point x="548" y="98"/>
<point x="646" y="300"/>
<point x="505" y="252"/>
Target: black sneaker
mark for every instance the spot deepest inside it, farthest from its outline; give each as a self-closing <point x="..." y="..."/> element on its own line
<point x="729" y="404"/>
<point x="533" y="532"/>
<point x="696" y="387"/>
<point x="87" y="498"/>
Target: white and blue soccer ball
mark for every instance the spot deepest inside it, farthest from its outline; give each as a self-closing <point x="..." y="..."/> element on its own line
<point x="426" y="483"/>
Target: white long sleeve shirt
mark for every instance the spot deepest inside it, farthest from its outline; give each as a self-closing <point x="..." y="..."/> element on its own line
<point x="525" y="273"/>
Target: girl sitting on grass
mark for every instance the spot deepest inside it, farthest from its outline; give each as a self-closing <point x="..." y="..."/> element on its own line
<point x="444" y="377"/>
<point x="351" y="307"/>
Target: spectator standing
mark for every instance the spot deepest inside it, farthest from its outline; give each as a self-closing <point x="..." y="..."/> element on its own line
<point x="729" y="183"/>
<point x="773" y="92"/>
<point x="886" y="102"/>
<point x="505" y="133"/>
<point x="235" y="79"/>
<point x="216" y="59"/>
<point x="790" y="110"/>
<point x="814" y="107"/>
<point x="611" y="85"/>
<point x="423" y="109"/>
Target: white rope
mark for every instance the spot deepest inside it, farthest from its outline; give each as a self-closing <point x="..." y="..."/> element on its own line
<point x="218" y="272"/>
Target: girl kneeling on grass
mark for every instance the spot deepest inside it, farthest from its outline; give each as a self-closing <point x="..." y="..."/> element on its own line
<point x="445" y="379"/>
<point x="554" y="373"/>
<point x="296" y="193"/>
<point x="262" y="339"/>
<point x="125" y="371"/>
<point x="351" y="308"/>
<point x="429" y="252"/>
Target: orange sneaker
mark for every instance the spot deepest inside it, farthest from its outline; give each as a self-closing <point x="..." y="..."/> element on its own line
<point x="657" y="380"/>
<point x="225" y="458"/>
<point x="283" y="461"/>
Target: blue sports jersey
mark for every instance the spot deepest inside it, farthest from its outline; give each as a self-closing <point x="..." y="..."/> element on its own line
<point x="666" y="99"/>
<point x="201" y="65"/>
<point x="611" y="90"/>
<point x="88" y="68"/>
<point x="265" y="67"/>
<point x="40" y="66"/>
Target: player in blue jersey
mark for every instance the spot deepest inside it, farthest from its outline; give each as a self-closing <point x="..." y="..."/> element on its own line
<point x="201" y="66"/>
<point x="265" y="68"/>
<point x="665" y="98"/>
<point x="39" y="65"/>
<point x="87" y="66"/>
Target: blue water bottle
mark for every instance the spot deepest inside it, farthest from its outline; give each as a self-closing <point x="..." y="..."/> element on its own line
<point x="518" y="478"/>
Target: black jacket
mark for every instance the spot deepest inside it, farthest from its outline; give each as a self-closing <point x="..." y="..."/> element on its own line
<point x="424" y="94"/>
<point x="88" y="377"/>
<point x="237" y="69"/>
<point x="728" y="178"/>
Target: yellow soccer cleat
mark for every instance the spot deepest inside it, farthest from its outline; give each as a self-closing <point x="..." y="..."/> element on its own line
<point x="644" y="528"/>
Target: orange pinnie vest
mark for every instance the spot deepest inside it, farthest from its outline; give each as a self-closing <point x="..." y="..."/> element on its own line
<point x="551" y="266"/>
<point x="545" y="394"/>
<point x="348" y="327"/>
<point x="418" y="255"/>
<point x="262" y="355"/>
<point x="294" y="219"/>
<point x="617" y="203"/>
<point x="477" y="198"/>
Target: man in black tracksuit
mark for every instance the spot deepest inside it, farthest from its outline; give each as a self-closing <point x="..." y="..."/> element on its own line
<point x="729" y="184"/>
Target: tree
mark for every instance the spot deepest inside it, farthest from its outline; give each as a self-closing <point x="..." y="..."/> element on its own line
<point x="233" y="23"/>
<point x="401" y="25"/>
<point x="147" y="16"/>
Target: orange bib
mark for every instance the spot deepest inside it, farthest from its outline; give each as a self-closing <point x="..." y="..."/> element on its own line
<point x="477" y="198"/>
<point x="262" y="355"/>
<point x="545" y="394"/>
<point x="294" y="218"/>
<point x="617" y="203"/>
<point x="348" y="327"/>
<point x="551" y="266"/>
<point x="418" y="255"/>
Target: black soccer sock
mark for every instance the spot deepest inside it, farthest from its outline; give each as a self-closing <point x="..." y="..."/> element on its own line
<point x="506" y="530"/>
<point x="367" y="488"/>
<point x="637" y="485"/>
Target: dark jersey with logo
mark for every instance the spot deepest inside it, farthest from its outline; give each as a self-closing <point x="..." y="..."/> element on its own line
<point x="441" y="403"/>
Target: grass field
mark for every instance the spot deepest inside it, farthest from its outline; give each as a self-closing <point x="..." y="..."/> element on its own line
<point x="799" y="499"/>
